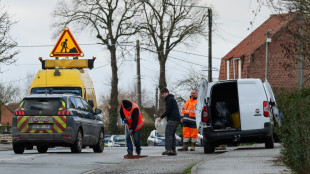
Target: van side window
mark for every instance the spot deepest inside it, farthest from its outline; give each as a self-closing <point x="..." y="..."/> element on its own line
<point x="79" y="104"/>
<point x="72" y="103"/>
<point x="87" y="107"/>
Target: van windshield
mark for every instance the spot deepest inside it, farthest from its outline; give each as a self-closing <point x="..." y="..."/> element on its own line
<point x="57" y="90"/>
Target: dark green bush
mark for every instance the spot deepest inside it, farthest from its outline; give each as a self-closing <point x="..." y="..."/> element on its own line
<point x="295" y="129"/>
<point x="5" y="129"/>
<point x="145" y="132"/>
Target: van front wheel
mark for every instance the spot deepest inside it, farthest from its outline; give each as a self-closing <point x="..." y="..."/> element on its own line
<point x="269" y="143"/>
<point x="208" y="147"/>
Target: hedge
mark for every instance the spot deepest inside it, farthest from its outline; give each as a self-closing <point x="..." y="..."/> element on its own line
<point x="295" y="130"/>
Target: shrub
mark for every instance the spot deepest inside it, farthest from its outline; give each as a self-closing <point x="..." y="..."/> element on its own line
<point x="145" y="132"/>
<point x="295" y="130"/>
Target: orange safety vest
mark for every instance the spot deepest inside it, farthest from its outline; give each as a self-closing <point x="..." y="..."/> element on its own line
<point x="189" y="108"/>
<point x="128" y="116"/>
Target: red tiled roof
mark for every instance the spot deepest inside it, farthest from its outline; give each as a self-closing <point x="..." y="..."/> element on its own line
<point x="258" y="36"/>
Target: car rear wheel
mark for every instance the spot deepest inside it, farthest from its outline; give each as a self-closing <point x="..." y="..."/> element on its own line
<point x="18" y="148"/>
<point x="98" y="148"/>
<point x="208" y="147"/>
<point x="42" y="149"/>
<point x="78" y="144"/>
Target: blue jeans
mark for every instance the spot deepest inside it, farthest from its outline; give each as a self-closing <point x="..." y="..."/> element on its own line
<point x="136" y="139"/>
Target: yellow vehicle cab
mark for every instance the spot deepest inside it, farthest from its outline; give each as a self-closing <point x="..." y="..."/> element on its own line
<point x="65" y="76"/>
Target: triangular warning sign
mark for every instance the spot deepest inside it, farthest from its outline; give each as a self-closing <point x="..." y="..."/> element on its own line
<point x="66" y="46"/>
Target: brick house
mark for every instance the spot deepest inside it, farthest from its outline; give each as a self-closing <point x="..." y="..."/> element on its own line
<point x="7" y="112"/>
<point x="248" y="58"/>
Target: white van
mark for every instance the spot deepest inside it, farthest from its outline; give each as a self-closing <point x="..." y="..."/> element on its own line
<point x="236" y="111"/>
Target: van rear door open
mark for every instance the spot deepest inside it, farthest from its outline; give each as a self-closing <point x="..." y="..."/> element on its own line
<point x="251" y="100"/>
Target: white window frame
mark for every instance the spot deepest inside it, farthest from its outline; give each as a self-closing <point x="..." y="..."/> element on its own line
<point x="227" y="69"/>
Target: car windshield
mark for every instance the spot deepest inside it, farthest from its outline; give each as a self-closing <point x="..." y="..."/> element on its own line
<point x="41" y="106"/>
<point x="160" y="135"/>
<point x="57" y="90"/>
<point x="119" y="138"/>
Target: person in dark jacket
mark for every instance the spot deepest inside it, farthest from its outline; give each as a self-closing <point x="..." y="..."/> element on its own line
<point x="131" y="115"/>
<point x="173" y="118"/>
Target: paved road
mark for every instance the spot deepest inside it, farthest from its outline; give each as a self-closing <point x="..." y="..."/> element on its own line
<point x="246" y="159"/>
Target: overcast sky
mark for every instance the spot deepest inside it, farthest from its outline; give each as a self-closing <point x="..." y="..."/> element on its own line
<point x="34" y="18"/>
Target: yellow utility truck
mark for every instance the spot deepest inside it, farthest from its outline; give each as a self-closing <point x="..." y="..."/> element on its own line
<point x="65" y="76"/>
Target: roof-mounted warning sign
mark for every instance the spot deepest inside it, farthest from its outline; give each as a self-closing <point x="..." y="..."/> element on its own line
<point x="66" y="46"/>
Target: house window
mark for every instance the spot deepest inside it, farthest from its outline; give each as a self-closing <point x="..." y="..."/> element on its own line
<point x="227" y="69"/>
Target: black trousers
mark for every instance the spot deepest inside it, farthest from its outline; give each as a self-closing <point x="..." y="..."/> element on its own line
<point x="170" y="140"/>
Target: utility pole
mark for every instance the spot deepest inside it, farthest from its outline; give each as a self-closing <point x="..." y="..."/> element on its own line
<point x="138" y="75"/>
<point x="156" y="101"/>
<point x="210" y="46"/>
<point x="267" y="55"/>
<point x="301" y="59"/>
<point x="210" y="36"/>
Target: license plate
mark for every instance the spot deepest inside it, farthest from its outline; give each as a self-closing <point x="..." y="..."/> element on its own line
<point x="40" y="126"/>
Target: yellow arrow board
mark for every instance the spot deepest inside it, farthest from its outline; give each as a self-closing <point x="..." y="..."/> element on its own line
<point x="66" y="46"/>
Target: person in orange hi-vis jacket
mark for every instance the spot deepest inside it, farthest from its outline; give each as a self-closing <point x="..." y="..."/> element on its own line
<point x="190" y="131"/>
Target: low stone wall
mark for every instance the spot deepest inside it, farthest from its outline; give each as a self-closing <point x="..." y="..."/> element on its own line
<point x="5" y="138"/>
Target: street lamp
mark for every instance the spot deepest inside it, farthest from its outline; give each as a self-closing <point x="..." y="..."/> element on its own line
<point x="209" y="38"/>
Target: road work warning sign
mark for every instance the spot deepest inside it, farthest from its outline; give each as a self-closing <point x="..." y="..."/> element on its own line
<point x="66" y="46"/>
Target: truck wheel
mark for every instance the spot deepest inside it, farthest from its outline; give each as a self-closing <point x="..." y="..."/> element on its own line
<point x="18" y="148"/>
<point x="42" y="149"/>
<point x="78" y="144"/>
<point x="269" y="143"/>
<point x="98" y="148"/>
<point x="208" y="147"/>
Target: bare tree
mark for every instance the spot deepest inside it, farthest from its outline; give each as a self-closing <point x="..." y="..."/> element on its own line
<point x="166" y="26"/>
<point x="8" y="94"/>
<point x="7" y="44"/>
<point x="191" y="80"/>
<point x="112" y="21"/>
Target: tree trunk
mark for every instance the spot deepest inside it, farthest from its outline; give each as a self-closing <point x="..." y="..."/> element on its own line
<point x="113" y="111"/>
<point x="162" y="82"/>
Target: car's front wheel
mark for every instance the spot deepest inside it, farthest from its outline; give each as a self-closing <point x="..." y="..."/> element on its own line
<point x="18" y="148"/>
<point x="98" y="148"/>
<point x="78" y="144"/>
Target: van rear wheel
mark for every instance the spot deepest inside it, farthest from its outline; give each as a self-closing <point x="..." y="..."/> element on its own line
<point x="208" y="147"/>
<point x="269" y="143"/>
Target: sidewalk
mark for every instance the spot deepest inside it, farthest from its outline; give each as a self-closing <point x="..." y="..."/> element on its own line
<point x="254" y="159"/>
<point x="4" y="147"/>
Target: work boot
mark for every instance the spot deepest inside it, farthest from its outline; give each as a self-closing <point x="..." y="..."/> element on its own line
<point x="174" y="151"/>
<point x="165" y="152"/>
<point x="184" y="147"/>
<point x="193" y="147"/>
<point x="221" y="147"/>
<point x="129" y="154"/>
<point x="171" y="152"/>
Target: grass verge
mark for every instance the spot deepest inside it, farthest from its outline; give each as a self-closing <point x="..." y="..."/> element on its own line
<point x="188" y="169"/>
